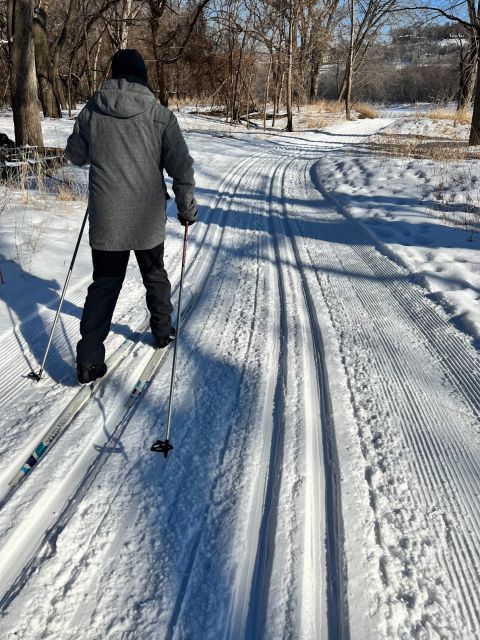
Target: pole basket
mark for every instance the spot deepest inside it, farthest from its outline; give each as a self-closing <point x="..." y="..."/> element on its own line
<point x="162" y="446"/>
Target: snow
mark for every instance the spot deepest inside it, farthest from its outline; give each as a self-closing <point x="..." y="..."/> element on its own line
<point x="324" y="480"/>
<point x="425" y="213"/>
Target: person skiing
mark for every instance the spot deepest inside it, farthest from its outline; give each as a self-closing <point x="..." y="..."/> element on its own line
<point x="128" y="138"/>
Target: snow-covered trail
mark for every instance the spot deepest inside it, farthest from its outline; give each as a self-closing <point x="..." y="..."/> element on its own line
<point x="244" y="347"/>
<point x="414" y="385"/>
<point x="324" y="481"/>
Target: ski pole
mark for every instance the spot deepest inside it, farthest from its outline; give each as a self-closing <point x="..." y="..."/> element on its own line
<point x="164" y="446"/>
<point x="38" y="376"/>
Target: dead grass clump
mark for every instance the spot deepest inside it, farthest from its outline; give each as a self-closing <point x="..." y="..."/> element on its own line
<point x="329" y="106"/>
<point x="438" y="114"/>
<point x="456" y="117"/>
<point x="463" y="117"/>
<point x="366" y="111"/>
<point x="423" y="147"/>
<point x="315" y="121"/>
<point x="455" y="195"/>
<point x="66" y="194"/>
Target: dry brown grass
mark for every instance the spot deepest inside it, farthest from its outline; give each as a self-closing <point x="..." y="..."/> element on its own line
<point x="365" y="111"/>
<point x="463" y="117"/>
<point x="328" y="106"/>
<point x="315" y="121"/>
<point x="66" y="194"/>
<point x="456" y="117"/>
<point x="321" y="113"/>
<point x="423" y="147"/>
<point x="182" y="102"/>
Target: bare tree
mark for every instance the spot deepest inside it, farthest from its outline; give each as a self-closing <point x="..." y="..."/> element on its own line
<point x="350" y="60"/>
<point x="458" y="12"/>
<point x="468" y="66"/>
<point x="43" y="63"/>
<point x="23" y="79"/>
<point x="315" y="25"/>
<point x="291" y="21"/>
<point x="370" y="16"/>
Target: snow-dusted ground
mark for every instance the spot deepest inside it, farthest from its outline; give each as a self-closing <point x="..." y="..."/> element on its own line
<point x="325" y="476"/>
<point x="425" y="212"/>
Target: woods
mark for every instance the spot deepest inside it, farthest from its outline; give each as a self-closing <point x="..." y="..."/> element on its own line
<point x="241" y="56"/>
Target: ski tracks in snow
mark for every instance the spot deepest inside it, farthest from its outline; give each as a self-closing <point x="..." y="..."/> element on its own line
<point x="246" y="483"/>
<point x="414" y="385"/>
<point x="269" y="520"/>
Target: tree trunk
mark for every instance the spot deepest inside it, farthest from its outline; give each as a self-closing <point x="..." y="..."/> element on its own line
<point x="96" y="83"/>
<point x="289" y="68"/>
<point x="124" y="26"/>
<point x="265" y="93"/>
<point x="313" y="80"/>
<point x="43" y="64"/>
<point x="88" y="64"/>
<point x="159" y="67"/>
<point x="23" y="79"/>
<point x="236" y="98"/>
<point x="67" y="27"/>
<point x="475" y="128"/>
<point x="467" y="75"/>
<point x="349" y="70"/>
<point x="162" y="85"/>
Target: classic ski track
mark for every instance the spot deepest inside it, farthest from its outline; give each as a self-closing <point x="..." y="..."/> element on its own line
<point x="268" y="487"/>
<point x="48" y="539"/>
<point x="318" y="456"/>
<point x="189" y="570"/>
<point x="417" y="409"/>
<point x="237" y="619"/>
<point x="324" y="453"/>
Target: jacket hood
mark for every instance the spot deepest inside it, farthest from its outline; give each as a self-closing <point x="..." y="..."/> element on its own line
<point x="123" y="99"/>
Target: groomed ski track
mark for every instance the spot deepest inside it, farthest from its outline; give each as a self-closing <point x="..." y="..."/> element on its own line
<point x="324" y="482"/>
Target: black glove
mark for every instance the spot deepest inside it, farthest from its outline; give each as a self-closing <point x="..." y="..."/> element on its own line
<point x="185" y="222"/>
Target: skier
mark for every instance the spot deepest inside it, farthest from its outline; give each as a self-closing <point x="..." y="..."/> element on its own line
<point x="128" y="138"/>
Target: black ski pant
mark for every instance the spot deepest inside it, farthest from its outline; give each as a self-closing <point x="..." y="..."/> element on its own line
<point x="109" y="268"/>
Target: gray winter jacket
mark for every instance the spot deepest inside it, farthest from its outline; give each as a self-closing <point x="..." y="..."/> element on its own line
<point x="128" y="138"/>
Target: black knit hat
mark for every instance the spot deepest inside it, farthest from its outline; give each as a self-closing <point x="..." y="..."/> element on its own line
<point x="129" y="64"/>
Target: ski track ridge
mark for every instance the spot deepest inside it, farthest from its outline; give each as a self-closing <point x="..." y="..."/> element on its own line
<point x="259" y="588"/>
